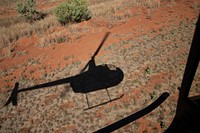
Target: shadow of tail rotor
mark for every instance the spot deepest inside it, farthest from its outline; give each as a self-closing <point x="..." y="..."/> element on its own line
<point x="13" y="96"/>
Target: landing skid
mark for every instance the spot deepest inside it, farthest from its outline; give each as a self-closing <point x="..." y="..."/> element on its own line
<point x="111" y="100"/>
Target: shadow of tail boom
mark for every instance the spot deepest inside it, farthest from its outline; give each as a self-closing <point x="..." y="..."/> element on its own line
<point x="101" y="77"/>
<point x="15" y="91"/>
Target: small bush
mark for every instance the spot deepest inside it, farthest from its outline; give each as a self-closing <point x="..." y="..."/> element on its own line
<point x="28" y="11"/>
<point x="72" y="11"/>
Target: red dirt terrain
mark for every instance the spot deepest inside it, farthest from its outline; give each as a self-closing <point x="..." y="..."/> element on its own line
<point x="150" y="46"/>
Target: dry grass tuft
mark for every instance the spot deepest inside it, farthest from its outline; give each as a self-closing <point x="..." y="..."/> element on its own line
<point x="6" y="22"/>
<point x="76" y="29"/>
<point x="8" y="2"/>
<point x="196" y="5"/>
<point x="15" y="31"/>
<point x="93" y="2"/>
<point x="107" y="8"/>
<point x="53" y="38"/>
<point x="149" y="3"/>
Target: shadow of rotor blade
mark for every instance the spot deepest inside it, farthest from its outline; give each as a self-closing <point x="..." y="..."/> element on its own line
<point x="135" y="116"/>
<point x="97" y="51"/>
<point x="101" y="44"/>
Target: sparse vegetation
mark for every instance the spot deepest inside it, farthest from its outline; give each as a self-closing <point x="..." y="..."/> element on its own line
<point x="149" y="3"/>
<point x="6" y="22"/>
<point x="72" y="11"/>
<point x="150" y="52"/>
<point x="13" y="28"/>
<point x="148" y="70"/>
<point x="28" y="10"/>
<point x="153" y="95"/>
<point x="15" y="31"/>
<point x="54" y="38"/>
<point x="196" y="5"/>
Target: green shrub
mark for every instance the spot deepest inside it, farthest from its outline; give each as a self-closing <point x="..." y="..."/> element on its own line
<point x="28" y="10"/>
<point x="72" y="11"/>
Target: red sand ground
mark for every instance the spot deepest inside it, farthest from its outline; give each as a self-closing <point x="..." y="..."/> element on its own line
<point x="57" y="58"/>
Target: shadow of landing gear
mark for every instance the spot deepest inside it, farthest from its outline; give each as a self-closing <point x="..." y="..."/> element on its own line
<point x="135" y="116"/>
<point x="93" y="79"/>
<point x="97" y="78"/>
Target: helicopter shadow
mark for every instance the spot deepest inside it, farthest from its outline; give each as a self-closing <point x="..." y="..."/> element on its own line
<point x="95" y="78"/>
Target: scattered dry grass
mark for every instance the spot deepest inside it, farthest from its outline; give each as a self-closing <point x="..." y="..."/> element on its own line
<point x="6" y="22"/>
<point x="106" y="8"/>
<point x="11" y="29"/>
<point x="75" y="28"/>
<point x="7" y="2"/>
<point x="149" y="3"/>
<point x="93" y="2"/>
<point x="53" y="38"/>
<point x="196" y="5"/>
<point x="12" y="33"/>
